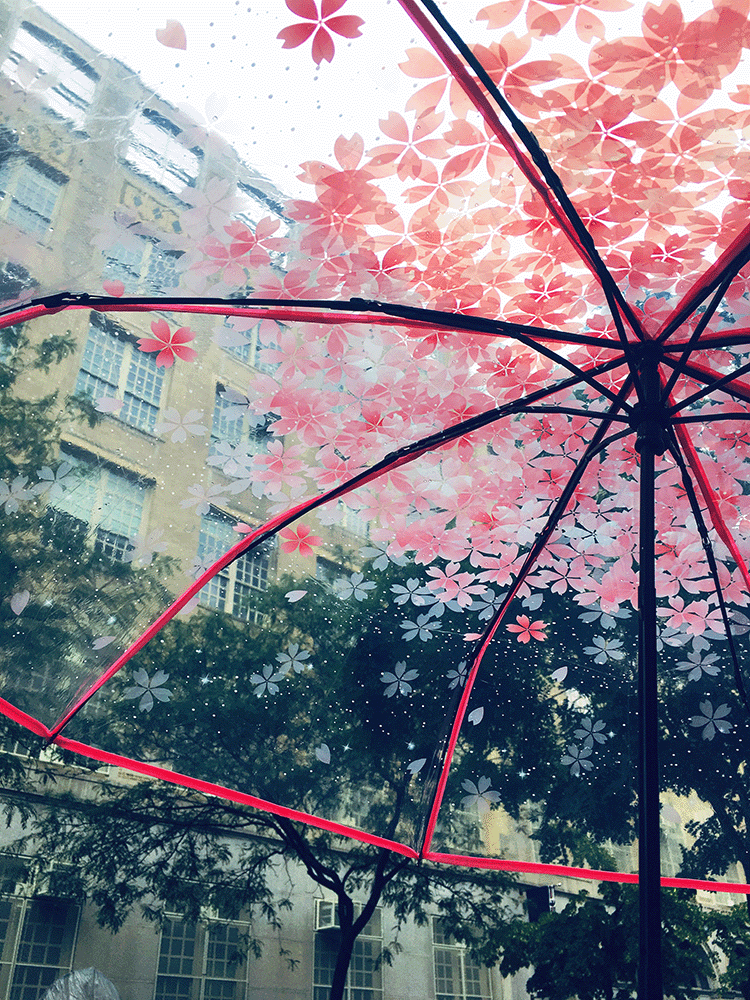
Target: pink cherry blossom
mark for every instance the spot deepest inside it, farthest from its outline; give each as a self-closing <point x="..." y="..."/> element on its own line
<point x="318" y="25"/>
<point x="299" y="539"/>
<point x="527" y="629"/>
<point x="169" y="345"/>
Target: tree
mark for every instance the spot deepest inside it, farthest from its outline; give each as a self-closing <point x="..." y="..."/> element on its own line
<point x="590" y="949"/>
<point x="311" y="707"/>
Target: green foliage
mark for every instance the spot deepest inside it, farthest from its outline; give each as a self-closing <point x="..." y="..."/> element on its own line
<point x="732" y="936"/>
<point x="590" y="949"/>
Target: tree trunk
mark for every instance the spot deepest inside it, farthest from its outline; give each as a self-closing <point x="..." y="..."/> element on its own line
<point x="343" y="960"/>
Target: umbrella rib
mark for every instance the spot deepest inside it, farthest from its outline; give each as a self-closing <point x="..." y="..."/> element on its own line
<point x="540" y="159"/>
<point x="597" y="444"/>
<point x="676" y="452"/>
<point x="409" y="314"/>
<point x="414" y="315"/>
<point x="699" y="328"/>
<point x="396" y="459"/>
<point x="697" y="418"/>
<point x="709" y="387"/>
<point x="726" y="338"/>
<point x="572" y="411"/>
<point x="707" y="282"/>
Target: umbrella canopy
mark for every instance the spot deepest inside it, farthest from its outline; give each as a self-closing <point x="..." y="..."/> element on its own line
<point x="419" y="347"/>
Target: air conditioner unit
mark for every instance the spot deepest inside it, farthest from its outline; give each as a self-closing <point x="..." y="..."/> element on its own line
<point x="326" y="915"/>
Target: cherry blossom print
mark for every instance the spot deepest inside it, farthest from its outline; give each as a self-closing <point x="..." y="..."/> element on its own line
<point x="318" y="25"/>
<point x="354" y="586"/>
<point x="53" y="484"/>
<point x="591" y="732"/>
<point x="526" y="630"/>
<point x="299" y="539"/>
<point x="480" y="794"/>
<point x="142" y="549"/>
<point x="577" y="760"/>
<point x="172" y="35"/>
<point x="698" y="665"/>
<point x="323" y="753"/>
<point x="203" y="497"/>
<point x="170" y="345"/>
<point x="148" y="690"/>
<point x="398" y="681"/>
<point x="604" y="649"/>
<point x="178" y="427"/>
<point x="295" y="595"/>
<point x="13" y="494"/>
<point x="424" y="628"/>
<point x="266" y="682"/>
<point x="19" y="600"/>
<point x="293" y="658"/>
<point x="457" y="675"/>
<point x="712" y="721"/>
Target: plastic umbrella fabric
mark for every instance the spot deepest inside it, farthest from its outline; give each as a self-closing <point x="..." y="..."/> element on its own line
<point x="444" y="351"/>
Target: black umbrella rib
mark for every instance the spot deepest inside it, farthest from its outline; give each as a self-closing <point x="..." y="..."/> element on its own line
<point x="700" y="418"/>
<point x="595" y="446"/>
<point x="572" y="411"/>
<point x="413" y="451"/>
<point x="676" y="453"/>
<point x="733" y="266"/>
<point x="456" y="321"/>
<point x="719" y="383"/>
<point x="432" y="317"/>
<point x="540" y="159"/>
<point x="726" y="280"/>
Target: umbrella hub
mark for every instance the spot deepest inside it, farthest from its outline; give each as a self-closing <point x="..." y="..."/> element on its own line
<point x="650" y="417"/>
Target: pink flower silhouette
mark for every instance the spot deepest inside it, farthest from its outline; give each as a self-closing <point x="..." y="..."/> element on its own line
<point x="527" y="629"/>
<point x="299" y="539"/>
<point x="169" y="345"/>
<point x="322" y="47"/>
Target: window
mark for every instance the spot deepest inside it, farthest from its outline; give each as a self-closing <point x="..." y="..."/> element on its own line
<point x="234" y="424"/>
<point x="63" y="79"/>
<point x="233" y="589"/>
<point x="37" y="937"/>
<point x="247" y="345"/>
<point x="140" y="264"/>
<point x="457" y="975"/>
<point x="201" y="961"/>
<point x="112" y="366"/>
<point x="364" y="980"/>
<point x="352" y="520"/>
<point x="30" y="191"/>
<point x="109" y="501"/>
<point x="156" y="152"/>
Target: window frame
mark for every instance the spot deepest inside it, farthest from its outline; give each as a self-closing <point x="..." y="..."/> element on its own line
<point x="17" y="906"/>
<point x="105" y="479"/>
<point x="138" y="381"/>
<point x="18" y="173"/>
<point x="74" y="92"/>
<point x="229" y="590"/>
<point x="354" y="989"/>
<point x="202" y="957"/>
<point x="444" y="942"/>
